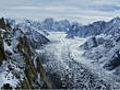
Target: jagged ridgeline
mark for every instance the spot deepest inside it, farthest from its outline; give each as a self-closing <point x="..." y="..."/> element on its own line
<point x="20" y="66"/>
<point x="95" y="28"/>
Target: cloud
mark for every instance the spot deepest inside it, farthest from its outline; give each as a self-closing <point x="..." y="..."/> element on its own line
<point x="47" y="8"/>
<point x="106" y="8"/>
<point x="83" y="11"/>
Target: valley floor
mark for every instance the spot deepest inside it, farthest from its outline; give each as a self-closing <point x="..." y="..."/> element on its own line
<point x="68" y="52"/>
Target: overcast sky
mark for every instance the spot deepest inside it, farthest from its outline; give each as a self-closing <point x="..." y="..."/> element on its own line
<point x="84" y="11"/>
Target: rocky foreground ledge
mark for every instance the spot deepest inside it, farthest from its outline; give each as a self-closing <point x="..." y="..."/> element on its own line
<point x="20" y="66"/>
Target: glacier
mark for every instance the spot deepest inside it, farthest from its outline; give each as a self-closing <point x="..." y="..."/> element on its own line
<point x="59" y="54"/>
<point x="65" y="56"/>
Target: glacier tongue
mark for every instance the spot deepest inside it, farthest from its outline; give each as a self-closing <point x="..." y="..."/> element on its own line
<point x="68" y="68"/>
<point x="60" y="45"/>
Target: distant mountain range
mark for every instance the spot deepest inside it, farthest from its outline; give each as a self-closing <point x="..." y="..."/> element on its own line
<point x="30" y="60"/>
<point x="72" y="29"/>
<point x="96" y="28"/>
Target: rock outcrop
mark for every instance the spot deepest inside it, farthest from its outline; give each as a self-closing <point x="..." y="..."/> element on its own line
<point x="19" y="62"/>
<point x="90" y="43"/>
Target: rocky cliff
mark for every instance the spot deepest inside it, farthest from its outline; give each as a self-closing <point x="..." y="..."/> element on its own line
<point x="20" y="66"/>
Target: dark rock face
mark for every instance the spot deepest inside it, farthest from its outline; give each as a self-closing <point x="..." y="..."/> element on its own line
<point x="114" y="62"/>
<point x="90" y="43"/>
<point x="36" y="39"/>
<point x="2" y="53"/>
<point x="2" y="23"/>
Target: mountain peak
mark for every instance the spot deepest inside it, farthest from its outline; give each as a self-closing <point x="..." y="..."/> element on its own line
<point x="116" y="19"/>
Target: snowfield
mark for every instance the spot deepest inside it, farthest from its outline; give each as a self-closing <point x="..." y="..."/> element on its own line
<point x="62" y="47"/>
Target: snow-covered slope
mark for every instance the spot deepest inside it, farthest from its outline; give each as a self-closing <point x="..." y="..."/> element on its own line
<point x="104" y="49"/>
<point x="31" y="30"/>
<point x="49" y="24"/>
<point x="20" y="66"/>
<point x="96" y="28"/>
